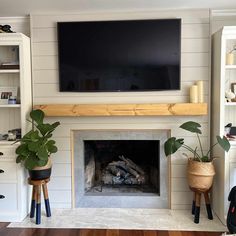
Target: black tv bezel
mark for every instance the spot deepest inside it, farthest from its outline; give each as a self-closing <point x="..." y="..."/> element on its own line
<point x="123" y="91"/>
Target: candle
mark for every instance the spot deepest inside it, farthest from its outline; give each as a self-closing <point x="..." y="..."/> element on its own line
<point x="200" y="91"/>
<point x="194" y="94"/>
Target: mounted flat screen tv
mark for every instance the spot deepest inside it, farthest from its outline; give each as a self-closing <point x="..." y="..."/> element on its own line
<point x="127" y="55"/>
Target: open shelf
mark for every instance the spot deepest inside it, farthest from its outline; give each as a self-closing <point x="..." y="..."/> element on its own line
<point x="9" y="105"/>
<point x="165" y="109"/>
<point x="230" y="67"/>
<point x="230" y="104"/>
<point x="5" y="71"/>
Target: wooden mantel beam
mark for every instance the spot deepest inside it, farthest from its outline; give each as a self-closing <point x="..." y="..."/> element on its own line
<point x="168" y="109"/>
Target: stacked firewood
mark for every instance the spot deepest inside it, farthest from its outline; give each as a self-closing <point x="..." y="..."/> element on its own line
<point x="124" y="171"/>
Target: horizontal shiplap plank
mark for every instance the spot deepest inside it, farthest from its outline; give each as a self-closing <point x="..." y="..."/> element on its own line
<point x="178" y="171"/>
<point x="60" y="183"/>
<point x="187" y="16"/>
<point x="61" y="170"/>
<point x="195" y="31"/>
<point x="122" y="120"/>
<point x="60" y="196"/>
<point x="181" y="198"/>
<point x="60" y="205"/>
<point x="61" y="157"/>
<point x="115" y="99"/>
<point x="179" y="184"/>
<point x="194" y="45"/>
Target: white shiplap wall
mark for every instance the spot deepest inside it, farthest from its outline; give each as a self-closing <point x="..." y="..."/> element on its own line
<point x="195" y="66"/>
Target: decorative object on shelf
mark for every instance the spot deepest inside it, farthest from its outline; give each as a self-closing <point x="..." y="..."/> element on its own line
<point x="37" y="146"/>
<point x="12" y="100"/>
<point x="197" y="92"/>
<point x="229" y="96"/>
<point x="233" y="87"/>
<point x="200" y="91"/>
<point x="6" y="92"/>
<point x="194" y="94"/>
<point x="227" y="129"/>
<point x="230" y="56"/>
<point x="200" y="168"/>
<point x="5" y="29"/>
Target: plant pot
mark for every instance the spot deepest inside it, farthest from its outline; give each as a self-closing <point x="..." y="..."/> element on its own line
<point x="200" y="174"/>
<point x="41" y="172"/>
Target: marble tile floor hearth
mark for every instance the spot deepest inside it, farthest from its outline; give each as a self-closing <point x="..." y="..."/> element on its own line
<point x="116" y="218"/>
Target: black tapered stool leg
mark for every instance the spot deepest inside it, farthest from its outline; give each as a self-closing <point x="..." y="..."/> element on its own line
<point x="194" y="203"/>
<point x="208" y="206"/>
<point x="33" y="202"/>
<point x="197" y="208"/>
<point x="38" y="205"/>
<point x="46" y="199"/>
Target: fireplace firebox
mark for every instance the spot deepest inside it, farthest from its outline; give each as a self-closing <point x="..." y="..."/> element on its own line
<point x="121" y="167"/>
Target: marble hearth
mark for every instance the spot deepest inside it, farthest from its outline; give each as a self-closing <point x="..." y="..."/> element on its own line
<point x="95" y="184"/>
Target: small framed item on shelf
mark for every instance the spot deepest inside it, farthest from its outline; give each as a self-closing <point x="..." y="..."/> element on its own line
<point x="233" y="87"/>
<point x="6" y="93"/>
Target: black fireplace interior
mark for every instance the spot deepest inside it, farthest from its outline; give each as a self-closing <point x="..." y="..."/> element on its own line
<point x="122" y="167"/>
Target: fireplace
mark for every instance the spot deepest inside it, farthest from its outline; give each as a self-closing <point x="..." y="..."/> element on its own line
<point x="120" y="168"/>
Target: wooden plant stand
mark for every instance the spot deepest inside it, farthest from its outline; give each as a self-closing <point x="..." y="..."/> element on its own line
<point x="36" y="198"/>
<point x="197" y="203"/>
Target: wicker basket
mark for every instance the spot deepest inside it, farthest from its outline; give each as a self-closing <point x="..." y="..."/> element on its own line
<point x="200" y="174"/>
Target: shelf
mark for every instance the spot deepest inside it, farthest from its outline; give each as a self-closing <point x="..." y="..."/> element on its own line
<point x="6" y="71"/>
<point x="9" y="105"/>
<point x="230" y="67"/>
<point x="5" y="142"/>
<point x="230" y="104"/>
<point x="168" y="109"/>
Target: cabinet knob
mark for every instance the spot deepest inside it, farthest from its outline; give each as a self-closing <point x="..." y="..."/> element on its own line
<point x="1" y="171"/>
<point x="1" y="153"/>
<point x="2" y="196"/>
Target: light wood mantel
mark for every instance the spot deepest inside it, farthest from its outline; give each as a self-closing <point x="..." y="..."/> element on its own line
<point x="166" y="109"/>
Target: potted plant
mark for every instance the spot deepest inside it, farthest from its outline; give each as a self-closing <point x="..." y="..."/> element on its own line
<point x="36" y="146"/>
<point x="200" y="168"/>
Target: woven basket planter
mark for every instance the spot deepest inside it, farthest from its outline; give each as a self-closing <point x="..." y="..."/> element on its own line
<point x="200" y="174"/>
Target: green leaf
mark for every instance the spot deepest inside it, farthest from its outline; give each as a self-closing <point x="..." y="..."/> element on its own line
<point x="22" y="149"/>
<point x="20" y="158"/>
<point x="205" y="159"/>
<point x="44" y="128"/>
<point x="42" y="162"/>
<point x="31" y="162"/>
<point x="223" y="142"/>
<point x="34" y="146"/>
<point x="191" y="126"/>
<point x="37" y="116"/>
<point x="42" y="153"/>
<point x="52" y="149"/>
<point x="172" y="145"/>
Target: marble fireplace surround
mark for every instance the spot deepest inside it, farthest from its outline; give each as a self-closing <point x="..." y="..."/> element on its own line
<point x="80" y="199"/>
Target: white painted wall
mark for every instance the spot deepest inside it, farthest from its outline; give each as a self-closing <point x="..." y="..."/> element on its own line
<point x="195" y="66"/>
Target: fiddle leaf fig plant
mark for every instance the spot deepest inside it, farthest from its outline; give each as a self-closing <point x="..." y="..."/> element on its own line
<point x="36" y="146"/>
<point x="173" y="144"/>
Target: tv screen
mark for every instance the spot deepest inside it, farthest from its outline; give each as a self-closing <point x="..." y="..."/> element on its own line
<point x="127" y="55"/>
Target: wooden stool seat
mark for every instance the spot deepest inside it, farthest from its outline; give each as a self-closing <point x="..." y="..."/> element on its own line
<point x="197" y="203"/>
<point x="36" y="198"/>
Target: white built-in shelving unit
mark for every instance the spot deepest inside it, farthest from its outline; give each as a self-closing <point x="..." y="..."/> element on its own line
<point x="223" y="112"/>
<point x="14" y="48"/>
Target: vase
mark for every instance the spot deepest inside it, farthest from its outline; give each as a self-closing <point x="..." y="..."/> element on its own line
<point x="200" y="174"/>
<point x="41" y="172"/>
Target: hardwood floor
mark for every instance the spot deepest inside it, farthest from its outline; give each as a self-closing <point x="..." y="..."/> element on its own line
<point x="94" y="232"/>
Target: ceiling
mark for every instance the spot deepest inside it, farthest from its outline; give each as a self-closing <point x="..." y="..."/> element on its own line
<point x="25" y="7"/>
